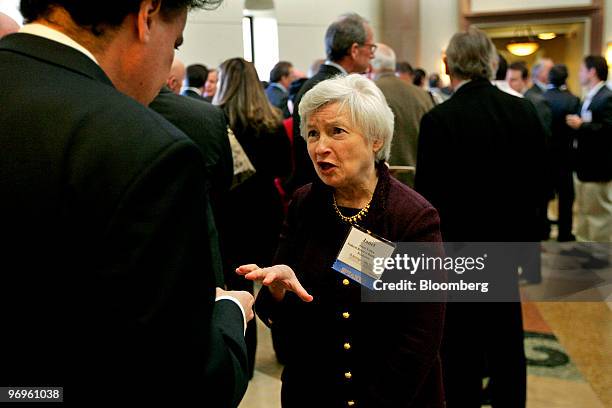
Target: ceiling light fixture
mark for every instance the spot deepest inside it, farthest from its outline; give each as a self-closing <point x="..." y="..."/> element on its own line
<point x="523" y="43"/>
<point x="547" y="36"/>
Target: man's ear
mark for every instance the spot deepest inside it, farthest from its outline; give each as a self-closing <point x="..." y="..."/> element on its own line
<point x="354" y="50"/>
<point x="149" y="10"/>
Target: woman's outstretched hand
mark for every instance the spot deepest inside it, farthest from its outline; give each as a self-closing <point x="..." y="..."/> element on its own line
<point x="278" y="278"/>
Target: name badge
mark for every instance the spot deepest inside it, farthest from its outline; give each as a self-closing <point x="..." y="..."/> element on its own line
<point x="587" y="116"/>
<point x="356" y="258"/>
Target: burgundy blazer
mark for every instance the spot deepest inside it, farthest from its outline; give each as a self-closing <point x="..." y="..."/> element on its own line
<point x="391" y="350"/>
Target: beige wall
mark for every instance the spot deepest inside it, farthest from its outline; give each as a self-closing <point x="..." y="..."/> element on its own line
<point x="213" y="36"/>
<point x="439" y="21"/>
<point x="302" y="25"/>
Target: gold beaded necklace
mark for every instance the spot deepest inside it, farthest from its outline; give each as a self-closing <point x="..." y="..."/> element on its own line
<point x="355" y="218"/>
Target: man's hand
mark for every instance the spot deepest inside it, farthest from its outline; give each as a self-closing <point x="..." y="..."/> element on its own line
<point x="245" y="299"/>
<point x="573" y="121"/>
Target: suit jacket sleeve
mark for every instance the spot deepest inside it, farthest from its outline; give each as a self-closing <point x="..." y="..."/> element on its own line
<point x="226" y="363"/>
<point x="163" y="269"/>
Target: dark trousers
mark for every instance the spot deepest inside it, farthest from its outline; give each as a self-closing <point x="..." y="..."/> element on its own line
<point x="564" y="186"/>
<point x="479" y="339"/>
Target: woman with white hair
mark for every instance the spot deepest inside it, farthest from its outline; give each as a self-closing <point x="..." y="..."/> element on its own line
<point x="343" y="352"/>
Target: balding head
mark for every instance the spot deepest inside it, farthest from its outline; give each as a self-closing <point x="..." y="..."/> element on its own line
<point x="7" y="25"/>
<point x="384" y="59"/>
<point x="176" y="77"/>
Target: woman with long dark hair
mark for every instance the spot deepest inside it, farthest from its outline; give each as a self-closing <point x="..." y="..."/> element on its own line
<point x="253" y="212"/>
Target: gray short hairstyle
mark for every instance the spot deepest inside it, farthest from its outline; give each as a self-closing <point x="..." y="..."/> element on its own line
<point x="538" y="66"/>
<point x="384" y="58"/>
<point x="343" y="33"/>
<point x="361" y="99"/>
<point x="471" y="54"/>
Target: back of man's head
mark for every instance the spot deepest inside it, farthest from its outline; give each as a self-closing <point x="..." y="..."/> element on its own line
<point x="314" y="67"/>
<point x="435" y="81"/>
<point x="280" y="70"/>
<point x="558" y="75"/>
<point x="471" y="55"/>
<point x="404" y="67"/>
<point x="108" y="14"/>
<point x="384" y="59"/>
<point x="502" y="68"/>
<point x="598" y="63"/>
<point x="177" y="75"/>
<point x="7" y="25"/>
<point x="196" y="75"/>
<point x="347" y="30"/>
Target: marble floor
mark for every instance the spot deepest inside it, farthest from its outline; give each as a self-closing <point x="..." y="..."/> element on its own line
<point x="582" y="330"/>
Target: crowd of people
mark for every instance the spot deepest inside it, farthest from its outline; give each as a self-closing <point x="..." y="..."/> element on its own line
<point x="143" y="198"/>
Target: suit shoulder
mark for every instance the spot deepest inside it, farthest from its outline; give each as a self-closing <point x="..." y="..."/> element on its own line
<point x="606" y="92"/>
<point x="167" y="104"/>
<point x="411" y="202"/>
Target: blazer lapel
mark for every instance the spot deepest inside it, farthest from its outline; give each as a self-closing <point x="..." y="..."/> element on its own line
<point x="599" y="98"/>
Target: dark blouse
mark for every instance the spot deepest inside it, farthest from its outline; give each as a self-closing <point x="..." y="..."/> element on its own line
<point x="253" y="211"/>
<point x="342" y="352"/>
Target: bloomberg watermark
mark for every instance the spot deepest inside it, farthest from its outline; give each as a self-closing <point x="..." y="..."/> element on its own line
<point x="486" y="272"/>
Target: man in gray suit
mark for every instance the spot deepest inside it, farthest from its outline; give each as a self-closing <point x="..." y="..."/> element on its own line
<point x="408" y="102"/>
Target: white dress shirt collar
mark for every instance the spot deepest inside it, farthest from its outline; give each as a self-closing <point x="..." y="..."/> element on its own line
<point x="49" y="33"/>
<point x="193" y="89"/>
<point x="338" y="66"/>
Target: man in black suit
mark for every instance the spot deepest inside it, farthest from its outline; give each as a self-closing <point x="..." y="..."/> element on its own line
<point x="196" y="81"/>
<point x="206" y="126"/>
<point x="277" y="91"/>
<point x="594" y="153"/>
<point x="106" y="282"/>
<point x="516" y="76"/>
<point x="479" y="164"/>
<point x="562" y="103"/>
<point x="349" y="45"/>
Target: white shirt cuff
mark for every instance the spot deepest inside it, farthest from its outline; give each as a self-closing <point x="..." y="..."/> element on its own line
<point x="239" y="305"/>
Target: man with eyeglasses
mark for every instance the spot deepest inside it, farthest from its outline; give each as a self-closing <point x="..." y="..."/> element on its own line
<point x="349" y="45"/>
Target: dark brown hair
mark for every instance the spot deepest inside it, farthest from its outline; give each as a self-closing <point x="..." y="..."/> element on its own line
<point x="110" y="13"/>
<point x="242" y="98"/>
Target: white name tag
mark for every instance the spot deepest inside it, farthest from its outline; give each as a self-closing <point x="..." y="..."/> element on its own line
<point x="356" y="258"/>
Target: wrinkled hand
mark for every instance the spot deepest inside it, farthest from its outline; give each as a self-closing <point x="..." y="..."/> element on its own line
<point x="573" y="121"/>
<point x="278" y="278"/>
<point x="245" y="299"/>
